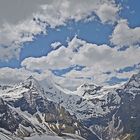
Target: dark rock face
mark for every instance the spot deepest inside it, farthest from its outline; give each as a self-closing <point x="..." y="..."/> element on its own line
<point x="10" y="119"/>
<point x="129" y="111"/>
<point x="90" y="89"/>
<point x="124" y="121"/>
<point x="7" y="119"/>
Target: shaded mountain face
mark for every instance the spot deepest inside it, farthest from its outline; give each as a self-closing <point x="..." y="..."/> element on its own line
<point x="123" y="122"/>
<point x="91" y="112"/>
<point x="110" y="112"/>
<point x="129" y="111"/>
<point x="26" y="111"/>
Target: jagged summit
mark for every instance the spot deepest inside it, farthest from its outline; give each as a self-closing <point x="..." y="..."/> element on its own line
<point x="135" y="77"/>
<point x="29" y="88"/>
<point x="90" y="85"/>
<point x="31" y="77"/>
<point x="31" y="82"/>
<point x="87" y="89"/>
<point x="33" y="85"/>
<point x="134" y="81"/>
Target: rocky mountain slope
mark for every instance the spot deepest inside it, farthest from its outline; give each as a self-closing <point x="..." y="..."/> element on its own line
<point x="112" y="113"/>
<point x="25" y="111"/>
<point x="37" y="110"/>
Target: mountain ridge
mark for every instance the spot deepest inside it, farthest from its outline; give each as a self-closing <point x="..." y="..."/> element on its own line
<point x="34" y="114"/>
<point x="91" y="112"/>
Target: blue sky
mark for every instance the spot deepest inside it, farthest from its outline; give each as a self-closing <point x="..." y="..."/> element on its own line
<point x="131" y="12"/>
<point x="94" y="32"/>
<point x="95" y="28"/>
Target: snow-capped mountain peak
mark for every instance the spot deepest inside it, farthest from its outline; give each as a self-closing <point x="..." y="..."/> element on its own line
<point x="31" y="82"/>
<point x="28" y="110"/>
<point x="134" y="80"/>
<point x="133" y="85"/>
<point x="45" y="103"/>
<point x="88" y="89"/>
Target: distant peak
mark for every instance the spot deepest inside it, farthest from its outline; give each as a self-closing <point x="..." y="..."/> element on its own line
<point x="90" y="85"/>
<point x="31" y="82"/>
<point x="31" y="78"/>
<point x="88" y="89"/>
<point x="135" y="77"/>
<point x="134" y="81"/>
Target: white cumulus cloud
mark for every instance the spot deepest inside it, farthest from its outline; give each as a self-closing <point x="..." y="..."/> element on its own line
<point x="97" y="61"/>
<point x="123" y="35"/>
<point x="17" y="25"/>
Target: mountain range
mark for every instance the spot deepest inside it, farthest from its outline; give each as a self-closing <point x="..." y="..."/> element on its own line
<point x="34" y="110"/>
